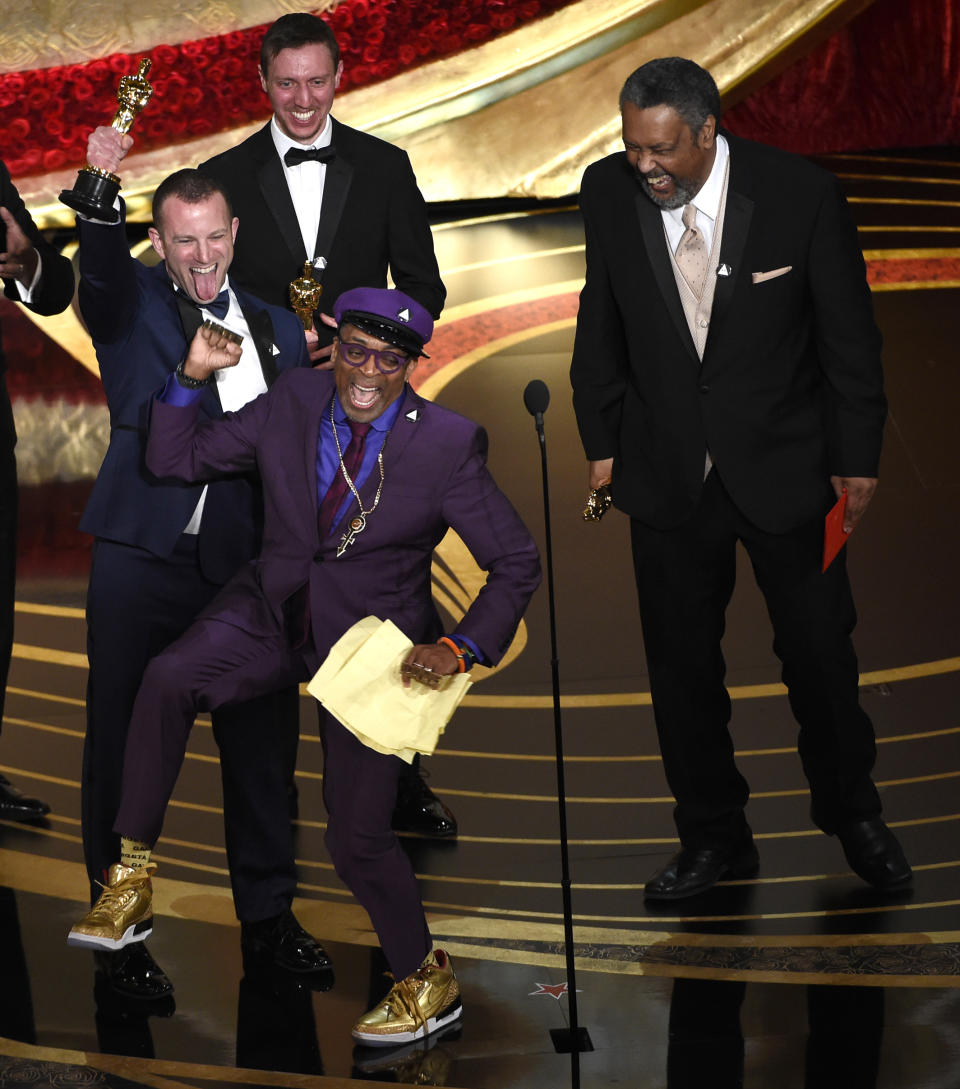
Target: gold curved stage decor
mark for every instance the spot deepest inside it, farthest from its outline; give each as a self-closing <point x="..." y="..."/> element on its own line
<point x="536" y="142"/>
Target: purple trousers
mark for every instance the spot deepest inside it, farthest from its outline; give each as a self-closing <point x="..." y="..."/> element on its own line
<point x="215" y="664"/>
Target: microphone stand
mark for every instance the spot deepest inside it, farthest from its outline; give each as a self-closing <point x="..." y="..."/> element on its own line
<point x="575" y="1039"/>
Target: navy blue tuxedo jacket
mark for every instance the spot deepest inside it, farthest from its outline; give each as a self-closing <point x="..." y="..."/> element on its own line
<point x="790" y="389"/>
<point x="372" y="217"/>
<point x="131" y="313"/>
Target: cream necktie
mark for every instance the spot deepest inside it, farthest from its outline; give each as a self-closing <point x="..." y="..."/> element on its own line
<point x="692" y="252"/>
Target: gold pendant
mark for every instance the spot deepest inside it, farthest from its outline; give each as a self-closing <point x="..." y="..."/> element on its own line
<point x="357" y="525"/>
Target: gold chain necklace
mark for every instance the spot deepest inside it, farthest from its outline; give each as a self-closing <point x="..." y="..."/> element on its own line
<point x="358" y="524"/>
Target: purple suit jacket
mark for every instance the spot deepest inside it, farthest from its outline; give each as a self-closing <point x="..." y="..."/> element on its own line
<point x="435" y="477"/>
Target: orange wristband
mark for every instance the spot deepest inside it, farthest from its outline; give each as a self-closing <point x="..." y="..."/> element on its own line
<point x="461" y="661"/>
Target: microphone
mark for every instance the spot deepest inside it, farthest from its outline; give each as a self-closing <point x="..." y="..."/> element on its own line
<point x="536" y="397"/>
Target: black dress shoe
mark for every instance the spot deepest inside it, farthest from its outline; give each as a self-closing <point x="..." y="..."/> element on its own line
<point x="420" y="811"/>
<point x="692" y="871"/>
<point x="875" y="854"/>
<point x="281" y="942"/>
<point x="17" y="806"/>
<point x="132" y="973"/>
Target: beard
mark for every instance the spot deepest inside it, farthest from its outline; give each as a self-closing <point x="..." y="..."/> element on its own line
<point x="684" y="190"/>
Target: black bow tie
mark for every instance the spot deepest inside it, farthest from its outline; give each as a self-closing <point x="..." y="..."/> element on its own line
<point x="218" y="306"/>
<point x="297" y="155"/>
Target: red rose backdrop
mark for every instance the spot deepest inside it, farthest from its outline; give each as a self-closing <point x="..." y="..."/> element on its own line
<point x="207" y="86"/>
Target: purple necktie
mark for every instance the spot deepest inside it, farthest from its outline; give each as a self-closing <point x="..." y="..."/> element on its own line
<point x="352" y="459"/>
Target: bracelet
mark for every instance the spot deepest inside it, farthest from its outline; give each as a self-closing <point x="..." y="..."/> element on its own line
<point x="191" y="383"/>
<point x="465" y="656"/>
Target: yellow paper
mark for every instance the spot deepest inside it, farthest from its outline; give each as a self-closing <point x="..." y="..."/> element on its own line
<point x="360" y="685"/>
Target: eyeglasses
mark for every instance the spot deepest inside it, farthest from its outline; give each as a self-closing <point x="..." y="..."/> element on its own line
<point x="356" y="355"/>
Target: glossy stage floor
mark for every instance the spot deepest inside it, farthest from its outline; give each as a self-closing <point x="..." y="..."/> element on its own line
<point x="801" y="977"/>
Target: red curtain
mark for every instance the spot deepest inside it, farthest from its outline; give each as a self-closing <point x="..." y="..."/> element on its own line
<point x="890" y="78"/>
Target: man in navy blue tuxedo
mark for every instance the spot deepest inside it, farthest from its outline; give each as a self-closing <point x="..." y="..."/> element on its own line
<point x="162" y="550"/>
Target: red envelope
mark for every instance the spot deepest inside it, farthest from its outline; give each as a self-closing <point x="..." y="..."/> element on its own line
<point x="834" y="536"/>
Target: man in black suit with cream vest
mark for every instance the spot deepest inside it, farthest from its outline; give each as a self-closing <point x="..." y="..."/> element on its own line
<point x="727" y="383"/>
<point x="306" y="188"/>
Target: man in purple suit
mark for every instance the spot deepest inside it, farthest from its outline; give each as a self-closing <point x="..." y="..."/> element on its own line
<point x="361" y="480"/>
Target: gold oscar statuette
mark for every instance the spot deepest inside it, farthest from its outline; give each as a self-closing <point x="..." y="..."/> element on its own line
<point x="95" y="190"/>
<point x="599" y="502"/>
<point x="305" y="292"/>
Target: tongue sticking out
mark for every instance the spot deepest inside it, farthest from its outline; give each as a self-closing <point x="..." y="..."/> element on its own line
<point x="205" y="284"/>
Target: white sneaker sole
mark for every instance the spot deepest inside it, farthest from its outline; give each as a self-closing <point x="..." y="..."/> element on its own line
<point x="80" y="940"/>
<point x="393" y="1039"/>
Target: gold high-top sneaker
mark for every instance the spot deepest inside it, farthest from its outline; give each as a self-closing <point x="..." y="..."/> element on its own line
<point x="123" y="913"/>
<point x="425" y="1001"/>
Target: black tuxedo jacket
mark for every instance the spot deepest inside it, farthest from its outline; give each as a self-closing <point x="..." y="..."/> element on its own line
<point x="372" y="216"/>
<point x="54" y="290"/>
<point x="790" y="388"/>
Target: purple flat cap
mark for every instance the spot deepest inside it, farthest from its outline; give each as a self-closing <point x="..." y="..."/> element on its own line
<point x="387" y="314"/>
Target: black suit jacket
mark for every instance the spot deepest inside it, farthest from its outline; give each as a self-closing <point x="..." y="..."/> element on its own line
<point x="372" y="216"/>
<point x="54" y="291"/>
<point x="790" y="388"/>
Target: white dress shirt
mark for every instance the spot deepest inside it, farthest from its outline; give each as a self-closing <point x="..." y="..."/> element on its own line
<point x="235" y="385"/>
<point x="305" y="182"/>
<point x="26" y="293"/>
<point x="707" y="202"/>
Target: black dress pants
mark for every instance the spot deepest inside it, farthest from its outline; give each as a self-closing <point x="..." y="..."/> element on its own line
<point x="685" y="578"/>
<point x="216" y="663"/>
<point x="8" y="536"/>
<point x="137" y="604"/>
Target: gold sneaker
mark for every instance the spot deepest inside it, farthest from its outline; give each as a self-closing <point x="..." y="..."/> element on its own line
<point x="123" y="913"/>
<point x="416" y="1006"/>
<point x="422" y="1062"/>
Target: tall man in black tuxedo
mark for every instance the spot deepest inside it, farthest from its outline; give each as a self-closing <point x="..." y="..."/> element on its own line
<point x="163" y="551"/>
<point x="306" y="187"/>
<point x="353" y="209"/>
<point x="35" y="274"/>
<point x="727" y="382"/>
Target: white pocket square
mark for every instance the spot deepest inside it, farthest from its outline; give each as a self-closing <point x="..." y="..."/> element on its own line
<point x="759" y="277"/>
<point x="274" y="350"/>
